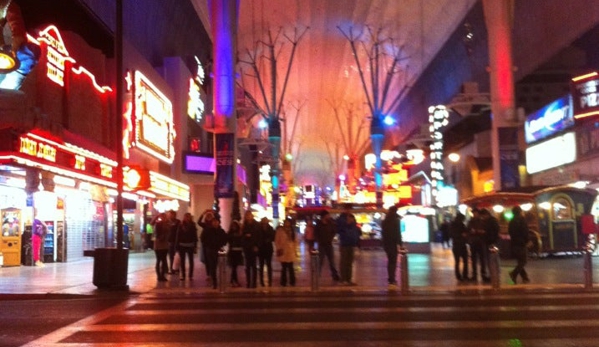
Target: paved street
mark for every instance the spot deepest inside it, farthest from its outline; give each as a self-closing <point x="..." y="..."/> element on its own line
<point x="188" y="318"/>
<point x="554" y="310"/>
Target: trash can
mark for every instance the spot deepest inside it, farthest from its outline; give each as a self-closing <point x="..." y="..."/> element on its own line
<point x="110" y="268"/>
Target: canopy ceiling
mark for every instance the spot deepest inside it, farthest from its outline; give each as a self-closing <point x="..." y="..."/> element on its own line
<point x="324" y="78"/>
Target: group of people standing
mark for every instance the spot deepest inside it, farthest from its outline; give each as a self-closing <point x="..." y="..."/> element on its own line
<point x="471" y="242"/>
<point x="252" y="245"/>
<point x="172" y="236"/>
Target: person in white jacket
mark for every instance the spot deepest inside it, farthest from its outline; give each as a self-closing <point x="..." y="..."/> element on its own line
<point x="286" y="245"/>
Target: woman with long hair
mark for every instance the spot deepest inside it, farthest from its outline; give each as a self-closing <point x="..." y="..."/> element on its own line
<point x="286" y="245"/>
<point x="186" y="242"/>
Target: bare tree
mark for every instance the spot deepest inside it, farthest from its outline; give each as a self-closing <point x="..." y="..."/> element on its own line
<point x="384" y="85"/>
<point x="269" y="102"/>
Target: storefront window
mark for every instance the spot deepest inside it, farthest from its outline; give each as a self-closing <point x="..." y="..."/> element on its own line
<point x="562" y="209"/>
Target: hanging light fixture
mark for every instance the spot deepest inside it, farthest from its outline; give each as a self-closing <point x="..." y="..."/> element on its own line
<point x="8" y="60"/>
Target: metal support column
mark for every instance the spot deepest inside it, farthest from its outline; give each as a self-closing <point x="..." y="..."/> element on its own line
<point x="494" y="267"/>
<point x="314" y="271"/>
<point x="588" y="269"/>
<point x="404" y="282"/>
<point x="222" y="271"/>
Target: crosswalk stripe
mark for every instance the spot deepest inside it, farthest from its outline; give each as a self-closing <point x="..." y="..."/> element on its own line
<point x="280" y="319"/>
<point x="436" y="325"/>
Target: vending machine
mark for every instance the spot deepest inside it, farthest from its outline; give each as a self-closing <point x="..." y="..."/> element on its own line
<point x="49" y="243"/>
<point x="10" y="239"/>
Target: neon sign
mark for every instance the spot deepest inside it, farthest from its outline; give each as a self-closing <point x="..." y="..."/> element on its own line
<point x="62" y="158"/>
<point x="37" y="149"/>
<point x="549" y="120"/>
<point x="438" y="119"/>
<point x="153" y="126"/>
<point x="57" y="58"/>
<point x="195" y="105"/>
<point x="585" y="92"/>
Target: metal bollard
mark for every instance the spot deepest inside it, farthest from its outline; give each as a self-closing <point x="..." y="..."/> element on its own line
<point x="588" y="269"/>
<point x="494" y="268"/>
<point x="314" y="271"/>
<point x="404" y="283"/>
<point x="222" y="271"/>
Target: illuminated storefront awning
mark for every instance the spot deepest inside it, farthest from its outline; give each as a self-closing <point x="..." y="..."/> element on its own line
<point x="53" y="155"/>
<point x="167" y="187"/>
<point x="156" y="185"/>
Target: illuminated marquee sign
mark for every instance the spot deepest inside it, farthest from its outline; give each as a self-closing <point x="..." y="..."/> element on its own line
<point x="438" y="119"/>
<point x="166" y="186"/>
<point x="153" y="125"/>
<point x="37" y="149"/>
<point x="59" y="64"/>
<point x="61" y="158"/>
<point x="195" y="105"/>
<point x="585" y="95"/>
<point x="550" y="119"/>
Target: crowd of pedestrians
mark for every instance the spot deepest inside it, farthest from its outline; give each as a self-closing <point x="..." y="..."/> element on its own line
<point x="472" y="240"/>
<point x="251" y="244"/>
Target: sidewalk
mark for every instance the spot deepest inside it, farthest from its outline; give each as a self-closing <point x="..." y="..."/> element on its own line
<point x="427" y="273"/>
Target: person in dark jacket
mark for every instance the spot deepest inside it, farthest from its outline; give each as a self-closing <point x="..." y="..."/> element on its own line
<point x="459" y="238"/>
<point x="266" y="250"/>
<point x="213" y="238"/>
<point x="161" y="230"/>
<point x="349" y="239"/>
<point x="476" y="240"/>
<point x="186" y="242"/>
<point x="235" y="255"/>
<point x="391" y="240"/>
<point x="173" y="223"/>
<point x="204" y="222"/>
<point x="518" y="230"/>
<point x="251" y="244"/>
<point x="325" y="232"/>
<point x="490" y="238"/>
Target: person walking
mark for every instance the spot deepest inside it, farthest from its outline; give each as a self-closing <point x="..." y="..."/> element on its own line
<point x="459" y="237"/>
<point x="391" y="235"/>
<point x="173" y="223"/>
<point x="490" y="238"/>
<point x="213" y="238"/>
<point x="476" y="241"/>
<point x="161" y="231"/>
<point x="324" y="233"/>
<point x="518" y="230"/>
<point x="186" y="242"/>
<point x="444" y="229"/>
<point x="286" y="245"/>
<point x="251" y="243"/>
<point x="349" y="238"/>
<point x="235" y="254"/>
<point x="265" y="251"/>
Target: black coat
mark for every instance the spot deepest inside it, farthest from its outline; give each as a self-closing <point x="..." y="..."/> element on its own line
<point x="213" y="238"/>
<point x="252" y="236"/>
<point x="391" y="233"/>
<point x="518" y="230"/>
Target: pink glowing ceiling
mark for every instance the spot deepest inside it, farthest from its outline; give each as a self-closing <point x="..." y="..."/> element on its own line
<point x="324" y="78"/>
